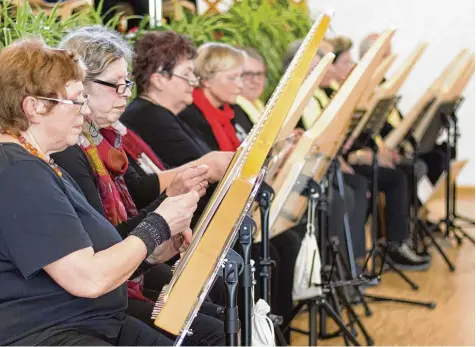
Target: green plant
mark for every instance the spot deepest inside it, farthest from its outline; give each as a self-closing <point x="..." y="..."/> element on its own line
<point x="20" y="21"/>
<point x="265" y="26"/>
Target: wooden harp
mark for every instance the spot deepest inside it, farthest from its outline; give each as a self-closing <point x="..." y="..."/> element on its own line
<point x="217" y="228"/>
<point x="368" y="105"/>
<point x="397" y="135"/>
<point x="455" y="83"/>
<point x="384" y="97"/>
<point x="325" y="136"/>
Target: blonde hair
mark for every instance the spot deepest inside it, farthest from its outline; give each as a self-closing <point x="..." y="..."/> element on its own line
<point x="214" y="57"/>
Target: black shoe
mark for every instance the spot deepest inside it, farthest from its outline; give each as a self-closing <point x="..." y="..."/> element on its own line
<point x="403" y="257"/>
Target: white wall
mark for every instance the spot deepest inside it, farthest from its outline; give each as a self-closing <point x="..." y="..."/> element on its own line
<point x="448" y="26"/>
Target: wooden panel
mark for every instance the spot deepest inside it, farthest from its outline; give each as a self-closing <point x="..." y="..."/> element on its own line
<point x="395" y="137"/>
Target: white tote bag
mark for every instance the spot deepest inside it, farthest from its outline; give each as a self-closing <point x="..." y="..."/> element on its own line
<point x="307" y="270"/>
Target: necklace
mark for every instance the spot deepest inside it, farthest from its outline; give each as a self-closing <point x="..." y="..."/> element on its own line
<point x="25" y="144"/>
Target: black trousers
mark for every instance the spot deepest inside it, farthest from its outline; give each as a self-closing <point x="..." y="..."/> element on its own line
<point x="393" y="183"/>
<point x="132" y="333"/>
<point x="207" y="330"/>
<point x="358" y="186"/>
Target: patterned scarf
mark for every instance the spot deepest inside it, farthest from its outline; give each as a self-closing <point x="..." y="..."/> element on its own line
<point x="109" y="162"/>
<point x="219" y="120"/>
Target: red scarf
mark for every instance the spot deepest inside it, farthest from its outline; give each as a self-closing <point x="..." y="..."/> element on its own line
<point x="219" y="120"/>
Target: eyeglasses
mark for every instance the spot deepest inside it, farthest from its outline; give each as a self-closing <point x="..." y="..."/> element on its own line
<point x="192" y="81"/>
<point x="83" y="104"/>
<point x="121" y="88"/>
<point x="252" y="74"/>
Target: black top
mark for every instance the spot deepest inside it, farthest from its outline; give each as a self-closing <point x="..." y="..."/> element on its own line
<point x="144" y="190"/>
<point x="171" y="139"/>
<point x="242" y="122"/>
<point x="195" y="119"/>
<point x="44" y="218"/>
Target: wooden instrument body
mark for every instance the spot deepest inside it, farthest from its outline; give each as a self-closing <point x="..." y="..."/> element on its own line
<point x="451" y="90"/>
<point x="396" y="136"/>
<point x="325" y="138"/>
<point x="218" y="225"/>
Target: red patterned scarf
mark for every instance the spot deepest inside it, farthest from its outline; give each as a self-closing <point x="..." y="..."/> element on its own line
<point x="109" y="162"/>
<point x="219" y="120"/>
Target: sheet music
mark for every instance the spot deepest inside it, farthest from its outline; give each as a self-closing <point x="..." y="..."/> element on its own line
<point x="425" y="189"/>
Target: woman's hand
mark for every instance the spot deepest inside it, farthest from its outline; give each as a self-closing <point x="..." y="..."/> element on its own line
<point x="217" y="162"/>
<point x="178" y="211"/>
<point x="192" y="178"/>
<point x="177" y="243"/>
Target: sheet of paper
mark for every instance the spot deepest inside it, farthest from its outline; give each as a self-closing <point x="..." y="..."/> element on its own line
<point x="425" y="188"/>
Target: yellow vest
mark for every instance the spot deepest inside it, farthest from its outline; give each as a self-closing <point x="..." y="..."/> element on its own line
<point x="253" y="110"/>
<point x="315" y="107"/>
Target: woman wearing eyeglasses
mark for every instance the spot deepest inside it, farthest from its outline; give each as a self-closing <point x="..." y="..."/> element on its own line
<point x="63" y="266"/>
<point x="100" y="164"/>
<point x="163" y="69"/>
<point x="211" y="116"/>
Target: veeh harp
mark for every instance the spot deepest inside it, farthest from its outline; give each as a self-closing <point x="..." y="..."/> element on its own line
<point x="217" y="228"/>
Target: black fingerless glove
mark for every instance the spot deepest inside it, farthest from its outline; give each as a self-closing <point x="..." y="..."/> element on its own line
<point x="153" y="230"/>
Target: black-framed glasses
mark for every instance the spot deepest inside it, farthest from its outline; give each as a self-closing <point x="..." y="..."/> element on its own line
<point x="120" y="88"/>
<point x="83" y="104"/>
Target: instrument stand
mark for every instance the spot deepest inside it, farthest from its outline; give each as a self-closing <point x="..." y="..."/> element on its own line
<point x="456" y="135"/>
<point x="382" y="253"/>
<point x="232" y="322"/>
<point x="245" y="238"/>
<point x="419" y="227"/>
<point x="449" y="121"/>
<point x="380" y="250"/>
<point x="328" y="303"/>
<point x="264" y="197"/>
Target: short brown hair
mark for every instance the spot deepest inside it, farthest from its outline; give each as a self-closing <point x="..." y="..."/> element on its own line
<point x="159" y="50"/>
<point x="30" y="68"/>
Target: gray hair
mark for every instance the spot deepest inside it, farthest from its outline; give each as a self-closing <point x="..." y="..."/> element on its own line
<point x="254" y="54"/>
<point x="366" y="44"/>
<point x="292" y="50"/>
<point x="98" y="47"/>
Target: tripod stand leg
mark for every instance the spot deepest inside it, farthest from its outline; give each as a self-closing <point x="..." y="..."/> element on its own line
<point x="312" y="322"/>
<point x="464" y="219"/>
<point x="398" y="271"/>
<point x="353" y="316"/>
<point x="427" y="232"/>
<point x="330" y="311"/>
<point x="375" y="298"/>
<point x="464" y="233"/>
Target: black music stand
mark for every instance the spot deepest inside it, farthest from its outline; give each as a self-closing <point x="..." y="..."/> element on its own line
<point x="372" y="128"/>
<point x="333" y="278"/>
<point x="420" y="229"/>
<point x="445" y="118"/>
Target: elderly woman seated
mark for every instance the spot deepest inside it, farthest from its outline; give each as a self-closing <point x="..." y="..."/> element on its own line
<point x="63" y="266"/>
